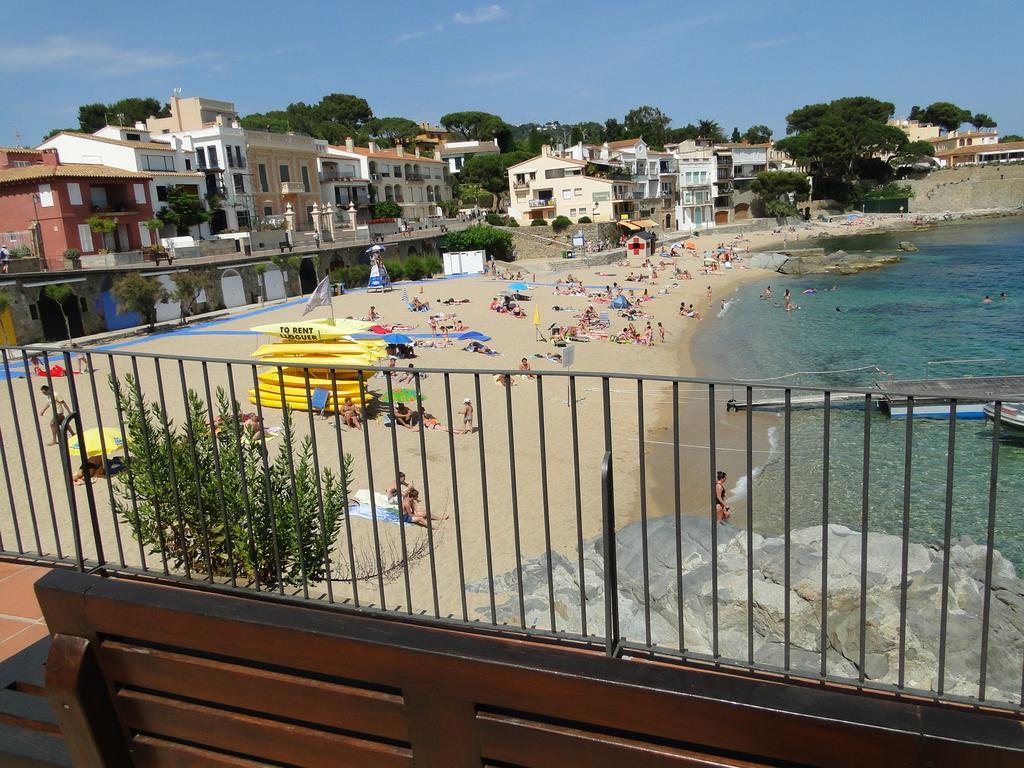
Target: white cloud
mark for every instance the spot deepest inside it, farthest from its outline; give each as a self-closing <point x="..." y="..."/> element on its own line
<point x="63" y="52"/>
<point x="480" y="15"/>
<point x="489" y="78"/>
<point x="405" y="36"/>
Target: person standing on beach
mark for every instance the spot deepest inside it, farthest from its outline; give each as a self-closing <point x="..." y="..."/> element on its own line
<point x="661" y="332"/>
<point x="60" y="409"/>
<point x="709" y="295"/>
<point x="467" y="416"/>
<point x="722" y="510"/>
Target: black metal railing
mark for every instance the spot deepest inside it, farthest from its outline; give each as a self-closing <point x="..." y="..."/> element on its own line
<point x="838" y="566"/>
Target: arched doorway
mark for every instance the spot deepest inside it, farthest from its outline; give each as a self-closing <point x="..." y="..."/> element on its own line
<point x="52" y="318"/>
<point x="307" y="276"/>
<point x="273" y="282"/>
<point x="232" y="289"/>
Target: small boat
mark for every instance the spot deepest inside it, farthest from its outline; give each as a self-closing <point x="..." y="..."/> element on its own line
<point x="324" y="329"/>
<point x="1011" y="418"/>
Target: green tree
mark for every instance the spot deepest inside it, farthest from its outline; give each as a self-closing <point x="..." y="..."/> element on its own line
<point x="188" y="286"/>
<point x="274" y="524"/>
<point x="912" y="152"/>
<point x="60" y="293"/>
<point x="709" y="129"/>
<point x="686" y="133"/>
<point x="775" y="188"/>
<point x="102" y="226"/>
<point x="981" y="120"/>
<point x="92" y="117"/>
<point x="832" y="139"/>
<point x="535" y="141"/>
<point x="184" y="210"/>
<point x="588" y="132"/>
<point x="496" y="242"/>
<point x="758" y="134"/>
<point x="393" y="130"/>
<point x="479" y="126"/>
<point x="136" y="293"/>
<point x="736" y="137"/>
<point x="944" y="114"/>
<point x="450" y="208"/>
<point x="386" y="209"/>
<point x="613" y="130"/>
<point x="649" y="122"/>
<point x="1010" y="137"/>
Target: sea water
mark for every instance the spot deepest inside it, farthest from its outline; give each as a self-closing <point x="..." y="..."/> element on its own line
<point x="906" y="320"/>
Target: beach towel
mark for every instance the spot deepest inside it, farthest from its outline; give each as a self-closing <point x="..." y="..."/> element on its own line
<point x="359" y="506"/>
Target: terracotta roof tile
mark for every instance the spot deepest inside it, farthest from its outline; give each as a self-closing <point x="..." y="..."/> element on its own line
<point x="66" y="171"/>
<point x="390" y="154"/>
<point x="155" y="146"/>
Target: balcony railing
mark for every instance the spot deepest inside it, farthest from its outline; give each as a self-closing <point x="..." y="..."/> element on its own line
<point x="819" y="551"/>
<point x="115" y="208"/>
<point x="520" y="185"/>
<point x="416" y="177"/>
<point x="292" y="188"/>
<point x="546" y="202"/>
<point x="326" y="176"/>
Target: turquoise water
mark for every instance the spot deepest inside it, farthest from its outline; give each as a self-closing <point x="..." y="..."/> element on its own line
<point x="899" y="319"/>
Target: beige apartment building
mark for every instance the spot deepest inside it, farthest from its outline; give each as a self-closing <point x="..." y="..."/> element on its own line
<point x="545" y="187"/>
<point x="283" y="170"/>
<point x="417" y="182"/>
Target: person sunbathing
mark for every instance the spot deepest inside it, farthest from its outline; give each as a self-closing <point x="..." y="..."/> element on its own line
<point x="350" y="414"/>
<point x="449" y="301"/>
<point x="479" y="348"/>
<point x="94" y="467"/>
<point x="414" y="512"/>
<point x="403" y="416"/>
<point x="429" y="421"/>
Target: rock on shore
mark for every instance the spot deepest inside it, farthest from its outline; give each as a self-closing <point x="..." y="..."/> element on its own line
<point x="839" y="262"/>
<point x="924" y="579"/>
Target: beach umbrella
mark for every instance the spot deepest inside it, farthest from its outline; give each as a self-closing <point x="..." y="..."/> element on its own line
<point x="91" y="439"/>
<point x="473" y="335"/>
<point x="376" y="248"/>
<point x="397" y="338"/>
<point x="402" y="396"/>
<point x="519" y="287"/>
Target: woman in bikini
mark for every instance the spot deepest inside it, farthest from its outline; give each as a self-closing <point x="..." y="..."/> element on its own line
<point x="722" y="510"/>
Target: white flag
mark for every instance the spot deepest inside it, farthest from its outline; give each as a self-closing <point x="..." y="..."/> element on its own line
<point x="320" y="297"/>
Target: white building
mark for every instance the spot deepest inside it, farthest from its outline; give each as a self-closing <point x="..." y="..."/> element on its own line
<point x="456" y="153"/>
<point x="698" y="186"/>
<point x="344" y="183"/>
<point x="132" y="149"/>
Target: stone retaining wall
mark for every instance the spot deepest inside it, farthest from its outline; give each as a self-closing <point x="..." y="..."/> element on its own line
<point x="968" y="188"/>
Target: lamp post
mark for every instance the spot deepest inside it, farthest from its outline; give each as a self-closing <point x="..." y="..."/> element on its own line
<point x="37" y="234"/>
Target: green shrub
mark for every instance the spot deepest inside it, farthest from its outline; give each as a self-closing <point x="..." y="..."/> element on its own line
<point x="386" y="209"/>
<point x="561" y="223"/>
<point x="539" y="223"/>
<point x="352" y="275"/>
<point x="495" y="220"/>
<point x="433" y="264"/>
<point x="414" y="268"/>
<point x="584" y="220"/>
<point x="257" y="518"/>
<point x="396" y="270"/>
<point x="21" y="252"/>
<point x="496" y="242"/>
<point x="512" y="222"/>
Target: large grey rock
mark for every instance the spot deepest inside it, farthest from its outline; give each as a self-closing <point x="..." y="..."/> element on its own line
<point x="656" y="614"/>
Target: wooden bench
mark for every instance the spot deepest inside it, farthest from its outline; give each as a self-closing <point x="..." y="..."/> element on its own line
<point x="29" y="736"/>
<point x="143" y="674"/>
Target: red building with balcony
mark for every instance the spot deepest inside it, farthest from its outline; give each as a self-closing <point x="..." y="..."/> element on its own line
<point x="36" y="186"/>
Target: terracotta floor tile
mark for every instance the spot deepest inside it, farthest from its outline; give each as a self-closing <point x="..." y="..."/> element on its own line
<point x="10" y="627"/>
<point x="17" y="596"/>
<point x="21" y="640"/>
<point x="9" y="569"/>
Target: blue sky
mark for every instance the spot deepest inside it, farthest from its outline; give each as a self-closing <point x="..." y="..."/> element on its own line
<point x="739" y="62"/>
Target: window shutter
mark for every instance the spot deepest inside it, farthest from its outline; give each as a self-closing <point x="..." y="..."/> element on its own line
<point x="85" y="235"/>
<point x="144" y="235"/>
<point x="140" y="193"/>
<point x="45" y="196"/>
<point x="75" y="193"/>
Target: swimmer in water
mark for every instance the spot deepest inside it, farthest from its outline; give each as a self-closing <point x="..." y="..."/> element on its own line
<point x="987" y="299"/>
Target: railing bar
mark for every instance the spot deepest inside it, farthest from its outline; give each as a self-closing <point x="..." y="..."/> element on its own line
<point x="611" y="580"/>
<point x="10" y="499"/>
<point x="515" y="501"/>
<point x="990" y="543"/>
<point x="947" y="531"/>
<point x="864" y="510"/>
<point x="289" y="441"/>
<point x="24" y="462"/>
<point x="116" y="386"/>
<point x="713" y="476"/>
<point x="181" y="535"/>
<point x="190" y="432"/>
<point x="148" y="450"/>
<point x="268" y="499"/>
<point x="401" y="499"/>
<point x="642" y="461"/>
<point x="787" y="524"/>
<point x="908" y="449"/>
<point x="678" y="513"/>
<point x="90" y="496"/>
<point x="427" y="505"/>
<point x="826" y="458"/>
<point x="211" y="421"/>
<point x="373" y="496"/>
<point x="44" y="462"/>
<point x="750" y="526"/>
<point x="344" y="489"/>
<point x="483" y="497"/>
<point x="103" y="447"/>
<point x="578" y="497"/>
<point x="544" y="501"/>
<point x="321" y="514"/>
<point x="455" y="494"/>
